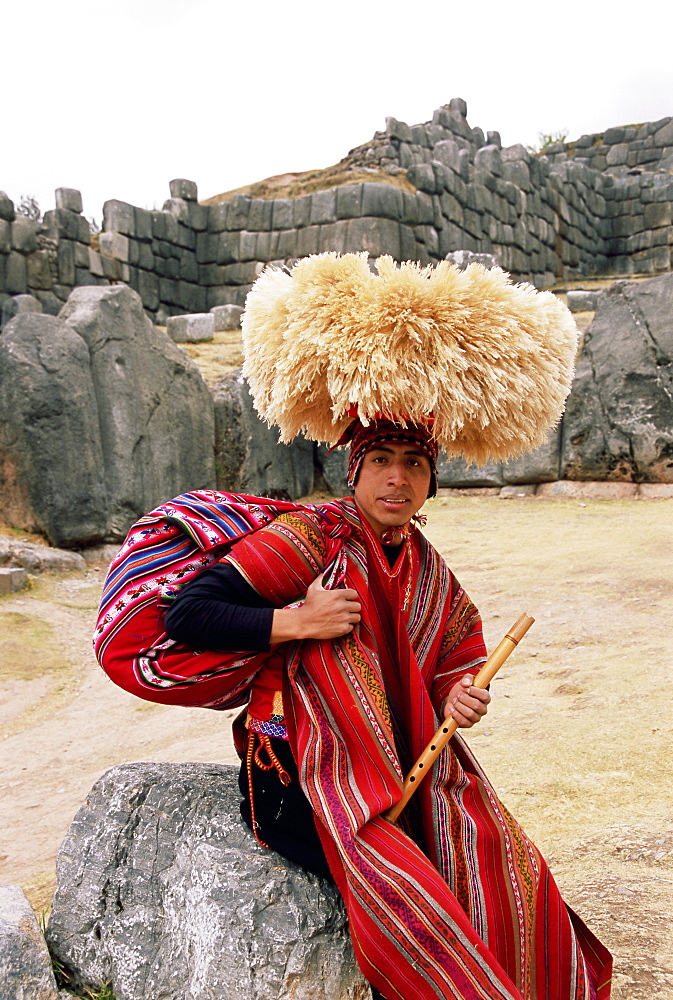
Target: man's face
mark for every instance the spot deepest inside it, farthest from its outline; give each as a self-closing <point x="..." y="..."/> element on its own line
<point x="392" y="484"/>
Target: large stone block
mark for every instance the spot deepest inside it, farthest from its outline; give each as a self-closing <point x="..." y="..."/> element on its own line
<point x="457" y="473"/>
<point x="580" y="300"/>
<point x="248" y="457"/>
<point x="191" y="329"/>
<point x="422" y="176"/>
<point x="12" y="579"/>
<point x="115" y="245"/>
<point x="538" y="466"/>
<point x="488" y="159"/>
<point x="308" y="240"/>
<point x="227" y="317"/>
<point x="119" y="217"/>
<point x="333" y="236"/>
<point x="143" y="224"/>
<point x="664" y="135"/>
<point x="24" y="234"/>
<point x="25" y="966"/>
<point x="7" y="211"/>
<point x="5" y="236"/>
<point x="282" y="216"/>
<point x="198" y="217"/>
<point x="218" y="217"/>
<point x="15" y="304"/>
<point x="376" y="236"/>
<point x="65" y="258"/>
<point x="447" y="151"/>
<point x="16" y="273"/>
<point x="260" y="214"/>
<point x="178" y="208"/>
<point x="69" y="199"/>
<point x="50" y="444"/>
<point x="163" y="892"/>
<point x="301" y="212"/>
<point x="227" y="248"/>
<point x="323" y="206"/>
<point x="619" y="418"/>
<point x="181" y="188"/>
<point x="382" y="200"/>
<point x="349" y="201"/>
<point x="38" y="271"/>
<point x="658" y="213"/>
<point x="155" y="412"/>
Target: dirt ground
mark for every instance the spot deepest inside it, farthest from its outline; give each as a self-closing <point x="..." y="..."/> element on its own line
<point x="577" y="742"/>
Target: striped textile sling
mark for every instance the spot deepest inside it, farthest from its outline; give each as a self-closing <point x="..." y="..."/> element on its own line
<point x="458" y="903"/>
<point x="451" y="903"/>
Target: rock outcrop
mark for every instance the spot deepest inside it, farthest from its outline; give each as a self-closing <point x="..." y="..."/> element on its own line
<point x="102" y="418"/>
<point x="163" y="892"/>
<point x="154" y="409"/>
<point x="25" y="966"/>
<point x="618" y="423"/>
<point x="51" y="455"/>
<point x="248" y="457"/>
<point x="39" y="558"/>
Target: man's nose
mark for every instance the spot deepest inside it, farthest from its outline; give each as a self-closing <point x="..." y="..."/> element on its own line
<point x="397" y="473"/>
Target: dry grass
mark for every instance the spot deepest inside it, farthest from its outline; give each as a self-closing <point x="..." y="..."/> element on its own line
<point x="217" y="357"/>
<point x="27" y="647"/>
<point x="294" y="185"/>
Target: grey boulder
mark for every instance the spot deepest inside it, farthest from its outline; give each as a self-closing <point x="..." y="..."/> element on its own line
<point x="618" y="423"/>
<point x="51" y="457"/>
<point x="456" y="473"/>
<point x="227" y="317"/>
<point x="19" y="304"/>
<point x="163" y="892"/>
<point x="538" y="466"/>
<point x="579" y="300"/>
<point x="155" y="412"/>
<point x="39" y="558"/>
<point x="248" y="456"/>
<point x="25" y="966"/>
<point x="192" y="328"/>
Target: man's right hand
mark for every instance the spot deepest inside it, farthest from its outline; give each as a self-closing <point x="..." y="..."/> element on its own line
<point x="324" y="614"/>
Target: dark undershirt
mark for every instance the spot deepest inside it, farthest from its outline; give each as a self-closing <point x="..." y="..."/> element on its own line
<point x="219" y="610"/>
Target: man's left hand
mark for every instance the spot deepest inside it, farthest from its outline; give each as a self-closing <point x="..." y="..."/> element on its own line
<point x="465" y="703"/>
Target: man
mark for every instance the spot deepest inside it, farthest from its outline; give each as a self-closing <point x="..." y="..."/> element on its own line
<point x="370" y="641"/>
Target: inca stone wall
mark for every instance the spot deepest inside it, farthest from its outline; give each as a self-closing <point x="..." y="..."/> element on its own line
<point x="601" y="205"/>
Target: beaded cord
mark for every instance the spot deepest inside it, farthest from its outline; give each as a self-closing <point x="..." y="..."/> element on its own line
<point x="252" y="756"/>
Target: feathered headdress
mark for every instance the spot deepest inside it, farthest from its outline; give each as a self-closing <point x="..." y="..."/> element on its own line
<point x="490" y="362"/>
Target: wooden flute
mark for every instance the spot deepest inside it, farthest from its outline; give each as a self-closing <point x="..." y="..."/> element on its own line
<point x="490" y="668"/>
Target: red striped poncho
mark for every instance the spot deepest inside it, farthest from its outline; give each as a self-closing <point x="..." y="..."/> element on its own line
<point x="454" y="901"/>
<point x="459" y="903"/>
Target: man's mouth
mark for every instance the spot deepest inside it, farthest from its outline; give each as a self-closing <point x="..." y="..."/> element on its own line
<point x="394" y="502"/>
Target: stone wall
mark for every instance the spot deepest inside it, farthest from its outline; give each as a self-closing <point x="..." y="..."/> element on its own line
<point x="436" y="188"/>
<point x="622" y="150"/>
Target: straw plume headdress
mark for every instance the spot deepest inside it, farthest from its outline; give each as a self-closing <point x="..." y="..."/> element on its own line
<point x="489" y="361"/>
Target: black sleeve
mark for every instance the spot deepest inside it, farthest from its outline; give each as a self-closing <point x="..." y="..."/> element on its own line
<point x="219" y="610"/>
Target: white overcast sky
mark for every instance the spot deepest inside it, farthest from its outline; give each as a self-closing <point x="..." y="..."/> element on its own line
<point x="116" y="98"/>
